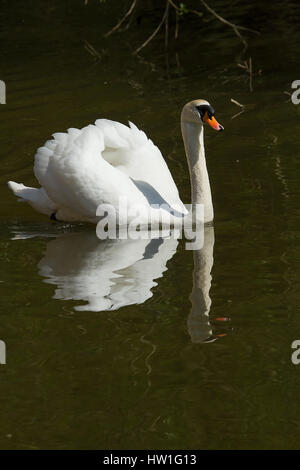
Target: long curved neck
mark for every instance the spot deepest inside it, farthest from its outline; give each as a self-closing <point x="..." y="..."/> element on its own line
<point x="192" y="134"/>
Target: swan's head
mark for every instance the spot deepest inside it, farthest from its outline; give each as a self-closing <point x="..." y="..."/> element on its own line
<point x="200" y="111"/>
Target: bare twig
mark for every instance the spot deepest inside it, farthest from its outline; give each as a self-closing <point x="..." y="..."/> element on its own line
<point x="176" y="27"/>
<point x="92" y="50"/>
<point x="165" y="20"/>
<point x="243" y="66"/>
<point x="240" y="105"/>
<point x="247" y="66"/>
<point x="155" y="31"/>
<point x="167" y="26"/>
<point x="127" y="26"/>
<point x="220" y="18"/>
<point x="237" y="103"/>
<point x="250" y="74"/>
<point x="228" y="23"/>
<point x="127" y="14"/>
<point x="238" y="114"/>
<point x="177" y="18"/>
<point x="173" y="5"/>
<point x="289" y="96"/>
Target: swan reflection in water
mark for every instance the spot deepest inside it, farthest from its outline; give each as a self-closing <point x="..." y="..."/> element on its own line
<point x="109" y="274"/>
<point x="198" y="323"/>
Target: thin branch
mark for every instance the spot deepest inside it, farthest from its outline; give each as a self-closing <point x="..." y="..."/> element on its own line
<point x="238" y="114"/>
<point x="173" y="5"/>
<point x="247" y="66"/>
<point x="176" y="27"/>
<point x="177" y="18"/>
<point x="250" y="74"/>
<point x="240" y="105"/>
<point x="220" y="18"/>
<point x="127" y="26"/>
<point x="244" y="67"/>
<point x="117" y="26"/>
<point x="155" y="31"/>
<point x="167" y="26"/>
<point x="92" y="50"/>
<point x="165" y="19"/>
<point x="237" y="103"/>
<point x="228" y="23"/>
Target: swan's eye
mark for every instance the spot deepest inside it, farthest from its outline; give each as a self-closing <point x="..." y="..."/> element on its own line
<point x="205" y="109"/>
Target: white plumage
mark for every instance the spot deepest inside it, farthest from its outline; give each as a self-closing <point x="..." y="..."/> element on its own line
<point x="108" y="162"/>
<point x="80" y="169"/>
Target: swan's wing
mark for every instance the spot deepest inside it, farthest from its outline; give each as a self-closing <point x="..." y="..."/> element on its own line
<point x="130" y="150"/>
<point x="77" y="179"/>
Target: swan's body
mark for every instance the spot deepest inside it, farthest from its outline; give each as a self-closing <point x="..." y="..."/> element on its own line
<point x="99" y="164"/>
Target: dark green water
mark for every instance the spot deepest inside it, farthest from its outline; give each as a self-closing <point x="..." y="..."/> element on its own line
<point x="120" y="374"/>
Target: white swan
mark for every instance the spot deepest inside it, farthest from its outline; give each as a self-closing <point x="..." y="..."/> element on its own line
<point x="99" y="164"/>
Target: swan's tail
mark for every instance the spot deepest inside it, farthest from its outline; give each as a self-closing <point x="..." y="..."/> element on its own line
<point x="37" y="198"/>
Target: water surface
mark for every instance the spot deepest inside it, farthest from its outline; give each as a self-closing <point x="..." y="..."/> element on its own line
<point x="125" y="344"/>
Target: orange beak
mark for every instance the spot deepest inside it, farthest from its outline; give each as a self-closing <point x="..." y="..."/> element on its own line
<point x="213" y="122"/>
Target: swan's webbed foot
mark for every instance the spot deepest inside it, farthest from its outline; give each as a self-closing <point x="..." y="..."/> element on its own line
<point x="53" y="216"/>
